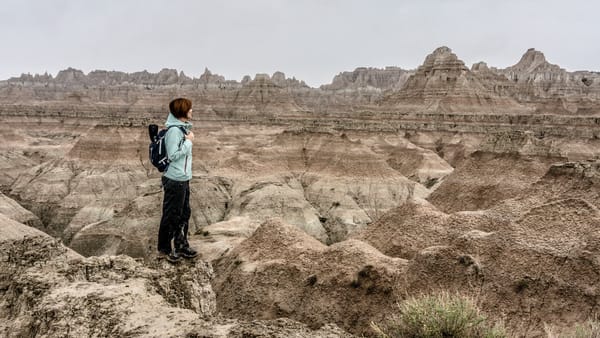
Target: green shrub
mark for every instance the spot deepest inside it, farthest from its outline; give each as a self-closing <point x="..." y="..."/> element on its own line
<point x="439" y="315"/>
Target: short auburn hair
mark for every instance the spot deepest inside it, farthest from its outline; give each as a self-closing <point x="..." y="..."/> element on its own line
<point x="180" y="107"/>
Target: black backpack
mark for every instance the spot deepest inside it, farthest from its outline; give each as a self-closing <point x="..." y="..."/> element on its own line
<point x="158" y="147"/>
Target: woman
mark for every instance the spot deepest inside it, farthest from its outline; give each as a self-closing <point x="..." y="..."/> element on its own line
<point x="176" y="184"/>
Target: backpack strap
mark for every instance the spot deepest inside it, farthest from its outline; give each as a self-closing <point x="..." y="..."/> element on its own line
<point x="183" y="131"/>
<point x="180" y="128"/>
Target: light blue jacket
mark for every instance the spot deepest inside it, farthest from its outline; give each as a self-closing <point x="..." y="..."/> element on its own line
<point x="179" y="150"/>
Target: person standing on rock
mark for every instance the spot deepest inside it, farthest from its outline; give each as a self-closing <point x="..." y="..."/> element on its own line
<point x="173" y="232"/>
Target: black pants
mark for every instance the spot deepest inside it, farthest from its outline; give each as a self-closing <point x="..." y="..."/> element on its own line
<point x="175" y="216"/>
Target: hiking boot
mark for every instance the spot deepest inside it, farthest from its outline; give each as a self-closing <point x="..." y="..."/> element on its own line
<point x="172" y="256"/>
<point x="187" y="252"/>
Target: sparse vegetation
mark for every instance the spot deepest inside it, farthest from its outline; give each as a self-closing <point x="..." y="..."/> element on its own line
<point x="589" y="329"/>
<point x="439" y="315"/>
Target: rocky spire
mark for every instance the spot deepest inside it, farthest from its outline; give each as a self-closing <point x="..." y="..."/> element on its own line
<point x="442" y="60"/>
<point x="209" y="78"/>
<point x="443" y="83"/>
<point x="533" y="64"/>
<point x="531" y="60"/>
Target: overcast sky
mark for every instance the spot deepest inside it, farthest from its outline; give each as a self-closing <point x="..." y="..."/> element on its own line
<point x="310" y="40"/>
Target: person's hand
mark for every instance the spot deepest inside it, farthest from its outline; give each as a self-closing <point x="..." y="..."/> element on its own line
<point x="190" y="136"/>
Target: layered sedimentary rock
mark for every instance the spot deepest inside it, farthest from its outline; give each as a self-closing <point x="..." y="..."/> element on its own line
<point x="443" y="83"/>
<point x="262" y="96"/>
<point x="363" y="77"/>
<point x="454" y="91"/>
<point x="537" y="77"/>
<point x="97" y="191"/>
<point x="553" y="89"/>
<point x="337" y="177"/>
<point x="13" y="210"/>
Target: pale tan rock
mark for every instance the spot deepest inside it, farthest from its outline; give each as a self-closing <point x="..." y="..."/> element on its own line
<point x="387" y="78"/>
<point x="265" y="200"/>
<point x="49" y="290"/>
<point x="551" y="88"/>
<point x="62" y="293"/>
<point x="13" y="210"/>
<point x="218" y="239"/>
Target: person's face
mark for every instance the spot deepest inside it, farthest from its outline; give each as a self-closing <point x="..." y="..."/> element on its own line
<point x="189" y="114"/>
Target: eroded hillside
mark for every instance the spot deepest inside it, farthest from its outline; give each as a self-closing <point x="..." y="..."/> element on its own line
<point x="322" y="206"/>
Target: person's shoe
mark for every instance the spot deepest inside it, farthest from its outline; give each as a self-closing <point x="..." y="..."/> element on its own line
<point x="172" y="256"/>
<point x="187" y="252"/>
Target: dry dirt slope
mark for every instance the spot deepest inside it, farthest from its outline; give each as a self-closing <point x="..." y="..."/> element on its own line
<point x="530" y="261"/>
<point x="532" y="258"/>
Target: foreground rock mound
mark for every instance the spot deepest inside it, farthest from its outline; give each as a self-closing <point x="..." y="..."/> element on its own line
<point x="49" y="290"/>
<point x="281" y="271"/>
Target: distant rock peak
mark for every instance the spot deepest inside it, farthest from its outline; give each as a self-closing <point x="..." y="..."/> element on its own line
<point x="442" y="59"/>
<point x="442" y="50"/>
<point x="480" y="66"/>
<point x="277" y="79"/>
<point x="368" y="77"/>
<point x="531" y="59"/>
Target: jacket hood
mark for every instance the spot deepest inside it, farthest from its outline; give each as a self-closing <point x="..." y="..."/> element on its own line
<point x="173" y="121"/>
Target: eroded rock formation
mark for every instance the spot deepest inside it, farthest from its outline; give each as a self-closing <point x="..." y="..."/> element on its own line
<point x="49" y="290"/>
<point x="308" y="201"/>
<point x="382" y="79"/>
<point x="443" y="83"/>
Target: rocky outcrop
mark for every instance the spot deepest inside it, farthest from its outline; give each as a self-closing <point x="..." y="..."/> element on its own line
<point x="551" y="88"/>
<point x="71" y="77"/>
<point x="336" y="177"/>
<point x="49" y="290"/>
<point x="492" y="79"/>
<point x="345" y="283"/>
<point x="261" y="97"/>
<point x="279" y="79"/>
<point x="444" y="84"/>
<point x="13" y="210"/>
<point x="389" y="78"/>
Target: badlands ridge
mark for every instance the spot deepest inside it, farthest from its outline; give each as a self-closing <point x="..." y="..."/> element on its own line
<point x="315" y="209"/>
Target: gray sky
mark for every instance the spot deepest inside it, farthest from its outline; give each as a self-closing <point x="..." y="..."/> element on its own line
<point x="311" y="40"/>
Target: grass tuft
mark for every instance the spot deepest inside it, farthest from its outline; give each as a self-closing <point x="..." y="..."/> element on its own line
<point x="589" y="329"/>
<point x="439" y="315"/>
